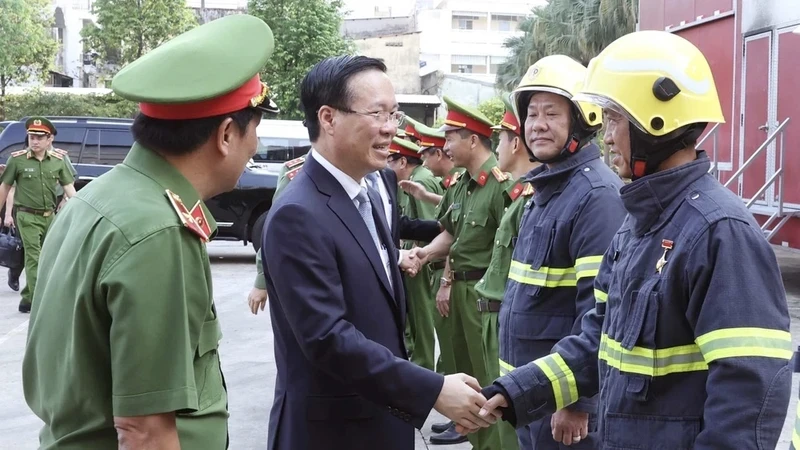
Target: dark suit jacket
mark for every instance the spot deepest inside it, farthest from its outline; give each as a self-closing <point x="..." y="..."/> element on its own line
<point x="344" y="380"/>
<point x="402" y="226"/>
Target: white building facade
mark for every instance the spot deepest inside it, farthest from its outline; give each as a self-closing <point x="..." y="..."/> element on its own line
<point x="467" y="36"/>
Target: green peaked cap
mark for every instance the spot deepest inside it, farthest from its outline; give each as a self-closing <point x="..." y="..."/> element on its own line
<point x="40" y="125"/>
<point x="460" y="116"/>
<point x="201" y="64"/>
<point x="405" y="144"/>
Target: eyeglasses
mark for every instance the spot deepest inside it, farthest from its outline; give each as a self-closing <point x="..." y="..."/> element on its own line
<point x="382" y="117"/>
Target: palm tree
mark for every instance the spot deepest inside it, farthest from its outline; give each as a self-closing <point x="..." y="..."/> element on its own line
<point x="576" y="28"/>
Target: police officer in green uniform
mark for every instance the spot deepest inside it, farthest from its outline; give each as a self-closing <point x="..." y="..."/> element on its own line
<point x="34" y="173"/>
<point x="407" y="165"/>
<point x="470" y="214"/>
<point x="14" y="274"/>
<point x="257" y="299"/>
<point x="512" y="158"/>
<point x="123" y="339"/>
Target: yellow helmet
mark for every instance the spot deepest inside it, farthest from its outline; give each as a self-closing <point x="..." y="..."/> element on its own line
<point x="560" y="75"/>
<point x="660" y="81"/>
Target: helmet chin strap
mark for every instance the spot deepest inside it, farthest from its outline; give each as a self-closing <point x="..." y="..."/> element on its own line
<point x="648" y="151"/>
<point x="580" y="135"/>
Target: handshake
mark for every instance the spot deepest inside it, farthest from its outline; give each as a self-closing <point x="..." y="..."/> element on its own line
<point x="461" y="401"/>
<point x="411" y="261"/>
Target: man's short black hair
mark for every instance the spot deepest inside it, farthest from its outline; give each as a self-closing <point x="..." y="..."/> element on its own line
<point x="465" y="134"/>
<point x="509" y="134"/>
<point x="181" y="137"/>
<point x="326" y="84"/>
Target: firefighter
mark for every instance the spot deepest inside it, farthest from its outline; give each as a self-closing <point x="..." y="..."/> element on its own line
<point x="564" y="231"/>
<point x="691" y="325"/>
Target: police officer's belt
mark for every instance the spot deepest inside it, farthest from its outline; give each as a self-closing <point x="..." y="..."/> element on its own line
<point x="437" y="265"/>
<point x="486" y="305"/>
<point x="38" y="212"/>
<point x="468" y="275"/>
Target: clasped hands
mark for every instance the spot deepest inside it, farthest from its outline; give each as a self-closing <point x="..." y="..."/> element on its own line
<point x="461" y="401"/>
<point x="411" y="261"/>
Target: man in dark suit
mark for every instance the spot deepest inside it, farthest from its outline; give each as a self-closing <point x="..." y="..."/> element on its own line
<point x="337" y="305"/>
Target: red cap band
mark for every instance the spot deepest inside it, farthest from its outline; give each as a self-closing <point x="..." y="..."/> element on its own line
<point x="411" y="131"/>
<point x="510" y="122"/>
<point x="397" y="148"/>
<point x="431" y="141"/>
<point x="232" y="101"/>
<point x="456" y="119"/>
<point x="40" y="128"/>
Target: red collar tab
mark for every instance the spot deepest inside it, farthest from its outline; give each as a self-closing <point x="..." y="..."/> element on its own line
<point x="482" y="177"/>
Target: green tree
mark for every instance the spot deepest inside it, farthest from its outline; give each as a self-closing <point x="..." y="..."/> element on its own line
<point x="493" y="109"/>
<point x="27" y="48"/>
<point x="306" y="32"/>
<point x="127" y="29"/>
<point x="576" y="28"/>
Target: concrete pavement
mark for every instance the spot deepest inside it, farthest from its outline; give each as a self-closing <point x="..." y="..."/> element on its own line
<point x="247" y="355"/>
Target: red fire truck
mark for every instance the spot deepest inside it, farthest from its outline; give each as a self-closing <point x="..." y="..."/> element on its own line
<point x="753" y="47"/>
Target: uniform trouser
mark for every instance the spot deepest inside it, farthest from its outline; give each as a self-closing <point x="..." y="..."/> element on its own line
<point x="446" y="364"/>
<point x="468" y="349"/>
<point x="32" y="229"/>
<point x="538" y="435"/>
<point x="491" y="356"/>
<point x="420" y="317"/>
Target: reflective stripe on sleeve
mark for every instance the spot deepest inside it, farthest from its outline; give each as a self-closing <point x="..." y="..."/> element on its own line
<point x="743" y="342"/>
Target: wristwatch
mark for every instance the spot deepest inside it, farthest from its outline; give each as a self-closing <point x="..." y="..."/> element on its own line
<point x="445" y="282"/>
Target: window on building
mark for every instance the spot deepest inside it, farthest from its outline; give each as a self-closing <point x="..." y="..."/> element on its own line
<point x="506" y="23"/>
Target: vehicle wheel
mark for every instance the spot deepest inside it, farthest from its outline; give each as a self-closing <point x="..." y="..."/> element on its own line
<point x="255" y="233"/>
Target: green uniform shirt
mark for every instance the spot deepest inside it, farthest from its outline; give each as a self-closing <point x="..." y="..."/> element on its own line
<point x="283" y="179"/>
<point x="471" y="212"/>
<point x="123" y="321"/>
<point x="418" y="209"/>
<point x="36" y="180"/>
<point x="59" y="189"/>
<point x="493" y="284"/>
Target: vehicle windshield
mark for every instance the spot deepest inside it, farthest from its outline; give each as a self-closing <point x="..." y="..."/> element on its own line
<point x="279" y="150"/>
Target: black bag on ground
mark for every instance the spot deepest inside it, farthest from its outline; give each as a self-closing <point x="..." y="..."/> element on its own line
<point x="11" y="254"/>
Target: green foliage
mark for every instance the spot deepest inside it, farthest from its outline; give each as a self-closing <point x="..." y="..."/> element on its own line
<point x="127" y="29"/>
<point x="52" y="104"/>
<point x="27" y="48"/>
<point x="494" y="108"/>
<point x="576" y="28"/>
<point x="306" y="32"/>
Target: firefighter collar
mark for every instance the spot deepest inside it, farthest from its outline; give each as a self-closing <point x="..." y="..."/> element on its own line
<point x="547" y="181"/>
<point x="652" y="199"/>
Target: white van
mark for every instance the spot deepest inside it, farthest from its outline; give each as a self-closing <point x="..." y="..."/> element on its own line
<point x="280" y="141"/>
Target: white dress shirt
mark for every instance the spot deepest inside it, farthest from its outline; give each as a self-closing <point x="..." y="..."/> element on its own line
<point x="352" y="188"/>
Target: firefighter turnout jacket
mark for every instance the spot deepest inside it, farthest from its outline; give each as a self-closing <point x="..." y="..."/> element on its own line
<point x="691" y="327"/>
<point x="565" y="229"/>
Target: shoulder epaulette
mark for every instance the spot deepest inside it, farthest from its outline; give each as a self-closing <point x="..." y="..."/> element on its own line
<point x="56" y="155"/>
<point x="19" y="153"/>
<point x="187" y="218"/>
<point x="61" y="151"/>
<point x="499" y="174"/>
<point x="292" y="173"/>
<point x="295" y="162"/>
<point x="528" y="191"/>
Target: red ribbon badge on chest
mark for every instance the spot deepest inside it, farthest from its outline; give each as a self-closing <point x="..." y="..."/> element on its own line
<point x="666" y="244"/>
